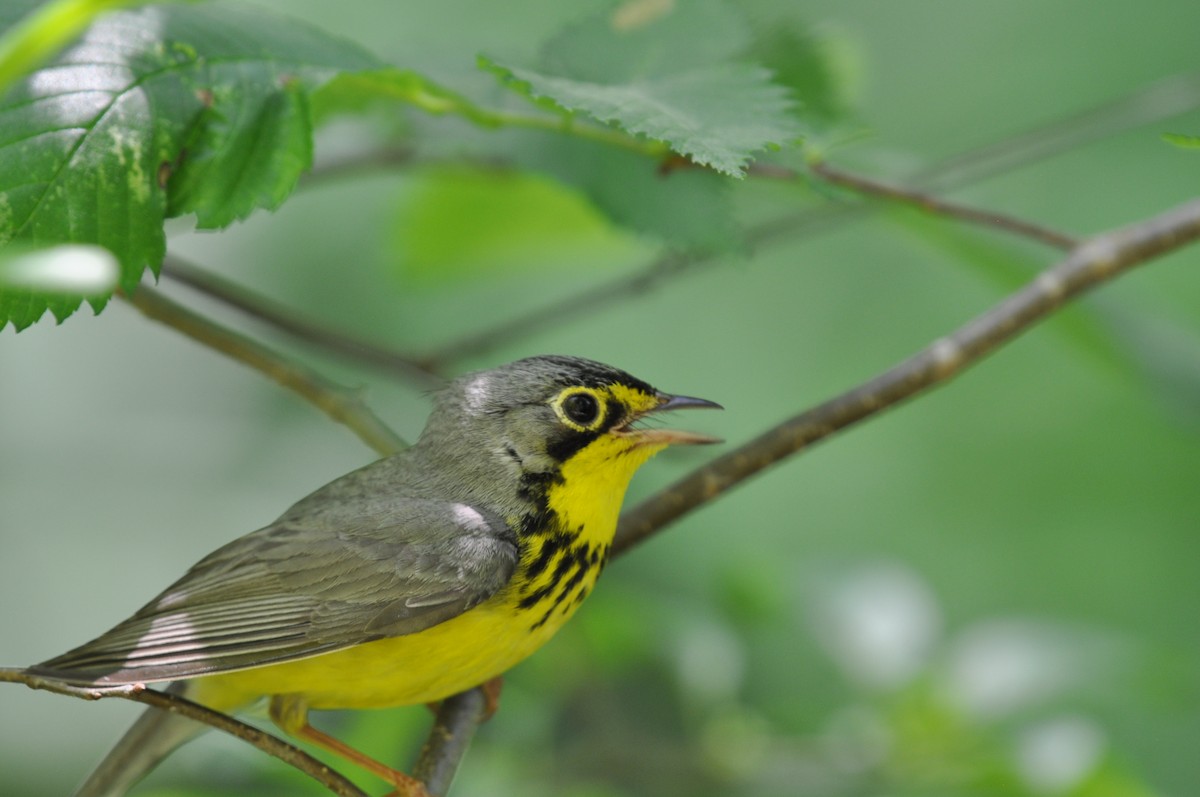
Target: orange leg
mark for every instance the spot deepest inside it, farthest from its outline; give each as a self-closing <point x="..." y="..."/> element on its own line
<point x="291" y="714"/>
<point x="491" y="691"/>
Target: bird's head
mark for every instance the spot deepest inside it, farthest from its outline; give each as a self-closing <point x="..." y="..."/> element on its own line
<point x="557" y="418"/>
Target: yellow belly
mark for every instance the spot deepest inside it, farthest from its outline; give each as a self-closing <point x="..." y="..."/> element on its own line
<point x="424" y="667"/>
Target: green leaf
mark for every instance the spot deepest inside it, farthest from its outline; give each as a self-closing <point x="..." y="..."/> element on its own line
<point x="681" y="207"/>
<point x="686" y="208"/>
<point x="456" y="223"/>
<point x="251" y="146"/>
<point x="669" y="80"/>
<point x="1182" y="141"/>
<point x="717" y="116"/>
<point x="155" y="113"/>
<point x="819" y="69"/>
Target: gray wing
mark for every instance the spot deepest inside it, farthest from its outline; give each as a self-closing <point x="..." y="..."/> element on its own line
<point x="298" y="588"/>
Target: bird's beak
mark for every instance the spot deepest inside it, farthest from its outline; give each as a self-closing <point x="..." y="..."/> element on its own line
<point x="676" y="437"/>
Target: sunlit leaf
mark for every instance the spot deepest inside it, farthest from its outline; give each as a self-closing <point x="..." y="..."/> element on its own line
<point x="156" y="113"/>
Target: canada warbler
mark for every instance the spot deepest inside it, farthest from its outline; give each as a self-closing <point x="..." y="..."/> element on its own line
<point x="411" y="579"/>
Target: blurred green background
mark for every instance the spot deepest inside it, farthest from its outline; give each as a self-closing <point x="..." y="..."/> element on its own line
<point x="992" y="590"/>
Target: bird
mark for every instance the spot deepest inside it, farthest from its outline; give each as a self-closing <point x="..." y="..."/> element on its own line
<point x="416" y="577"/>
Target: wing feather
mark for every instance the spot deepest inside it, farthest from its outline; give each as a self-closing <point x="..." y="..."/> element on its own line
<point x="299" y="588"/>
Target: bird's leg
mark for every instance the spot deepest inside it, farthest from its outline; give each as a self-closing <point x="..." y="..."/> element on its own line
<point x="290" y="713"/>
<point x="491" y="693"/>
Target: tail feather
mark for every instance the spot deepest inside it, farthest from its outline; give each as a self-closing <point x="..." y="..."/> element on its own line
<point x="154" y="736"/>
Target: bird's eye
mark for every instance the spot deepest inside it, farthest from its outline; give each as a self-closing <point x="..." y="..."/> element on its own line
<point x="581" y="408"/>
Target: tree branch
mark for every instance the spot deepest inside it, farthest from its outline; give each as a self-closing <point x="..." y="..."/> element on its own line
<point x="587" y="301"/>
<point x="1094" y="262"/>
<point x="337" y="402"/>
<point x="458" y="717"/>
<point x="268" y="312"/>
<point x="942" y="207"/>
<point x="1145" y="105"/>
<point x="271" y="745"/>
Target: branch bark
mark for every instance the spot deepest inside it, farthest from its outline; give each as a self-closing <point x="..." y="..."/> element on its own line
<point x="458" y="717"/>
<point x="339" y="403"/>
<point x="588" y="301"/>
<point x="941" y="207"/>
<point x="285" y="320"/>
<point x="1096" y="261"/>
<point x="289" y="754"/>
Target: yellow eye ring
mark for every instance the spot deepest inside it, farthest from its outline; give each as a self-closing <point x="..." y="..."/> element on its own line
<point x="580" y="408"/>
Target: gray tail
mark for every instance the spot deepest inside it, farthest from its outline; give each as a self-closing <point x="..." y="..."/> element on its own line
<point x="152" y="738"/>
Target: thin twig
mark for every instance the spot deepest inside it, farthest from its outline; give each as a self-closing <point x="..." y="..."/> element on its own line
<point x="574" y="306"/>
<point x="942" y="207"/>
<point x="1145" y="105"/>
<point x="271" y="745"/>
<point x="339" y="403"/>
<point x="458" y="717"/>
<point x="642" y="280"/>
<point x="285" y="320"/>
<point x="1096" y="261"/>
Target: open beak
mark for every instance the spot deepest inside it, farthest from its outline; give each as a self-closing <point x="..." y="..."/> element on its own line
<point x="676" y="437"/>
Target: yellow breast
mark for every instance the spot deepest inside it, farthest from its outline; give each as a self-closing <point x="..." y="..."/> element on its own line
<point x="419" y="668"/>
